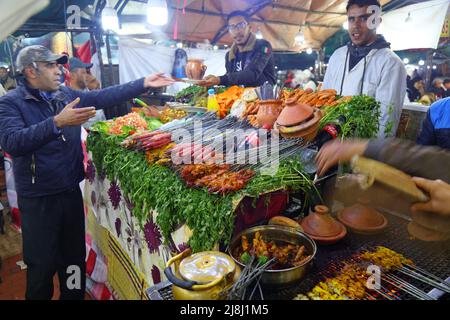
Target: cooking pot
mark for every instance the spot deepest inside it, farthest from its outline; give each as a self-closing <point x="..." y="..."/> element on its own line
<point x="284" y="234"/>
<point x="201" y="276"/>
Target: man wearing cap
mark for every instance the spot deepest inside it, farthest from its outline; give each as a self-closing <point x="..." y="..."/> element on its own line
<point x="40" y="128"/>
<point x="78" y="74"/>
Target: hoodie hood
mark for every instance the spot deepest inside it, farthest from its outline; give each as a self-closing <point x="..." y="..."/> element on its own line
<point x="361" y="52"/>
<point x="358" y="53"/>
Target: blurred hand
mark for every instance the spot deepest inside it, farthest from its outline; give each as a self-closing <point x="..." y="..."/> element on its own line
<point x="439" y="192"/>
<point x="209" y="81"/>
<point x="337" y="151"/>
<point x="157" y="80"/>
<point x="71" y="116"/>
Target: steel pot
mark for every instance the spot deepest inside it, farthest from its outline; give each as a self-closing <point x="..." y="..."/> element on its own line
<point x="278" y="233"/>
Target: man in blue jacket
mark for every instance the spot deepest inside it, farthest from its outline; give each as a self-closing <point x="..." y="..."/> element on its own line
<point x="40" y="128"/>
<point x="436" y="126"/>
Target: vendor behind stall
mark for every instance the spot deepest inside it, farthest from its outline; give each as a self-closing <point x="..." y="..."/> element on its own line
<point x="368" y="66"/>
<point x="249" y="62"/>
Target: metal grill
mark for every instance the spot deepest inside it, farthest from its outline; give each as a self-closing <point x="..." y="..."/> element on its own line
<point x="161" y="291"/>
<point x="433" y="257"/>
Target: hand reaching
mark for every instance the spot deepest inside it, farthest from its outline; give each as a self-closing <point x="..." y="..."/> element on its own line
<point x="439" y="192"/>
<point x="71" y="116"/>
<point x="209" y="81"/>
<point x="338" y="151"/>
<point x="157" y="80"/>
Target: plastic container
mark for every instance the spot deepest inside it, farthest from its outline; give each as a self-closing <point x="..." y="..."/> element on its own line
<point x="213" y="105"/>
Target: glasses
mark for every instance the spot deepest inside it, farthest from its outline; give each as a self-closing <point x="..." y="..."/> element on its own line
<point x="236" y="27"/>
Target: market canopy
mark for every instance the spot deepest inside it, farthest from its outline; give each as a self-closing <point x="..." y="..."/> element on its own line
<point x="14" y="14"/>
<point x="198" y="20"/>
<point x="279" y="21"/>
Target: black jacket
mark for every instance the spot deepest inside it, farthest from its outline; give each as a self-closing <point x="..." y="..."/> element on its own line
<point x="252" y="66"/>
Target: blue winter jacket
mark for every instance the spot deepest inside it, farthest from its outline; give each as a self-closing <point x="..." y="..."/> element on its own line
<point x="47" y="160"/>
<point x="436" y="126"/>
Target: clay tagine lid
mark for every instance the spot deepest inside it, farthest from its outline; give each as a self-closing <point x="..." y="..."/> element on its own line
<point x="322" y="227"/>
<point x="361" y="218"/>
<point x="294" y="113"/>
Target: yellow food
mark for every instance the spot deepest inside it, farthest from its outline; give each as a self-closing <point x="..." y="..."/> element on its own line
<point x="386" y="258"/>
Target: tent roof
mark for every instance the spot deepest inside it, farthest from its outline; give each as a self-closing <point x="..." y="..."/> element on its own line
<point x="53" y="18"/>
<point x="279" y="21"/>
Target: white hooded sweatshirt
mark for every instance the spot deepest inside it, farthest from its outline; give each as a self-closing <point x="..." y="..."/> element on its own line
<point x="381" y="75"/>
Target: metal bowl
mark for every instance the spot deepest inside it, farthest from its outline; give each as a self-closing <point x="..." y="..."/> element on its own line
<point x="278" y="233"/>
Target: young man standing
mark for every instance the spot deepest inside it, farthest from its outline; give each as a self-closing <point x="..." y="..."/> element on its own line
<point x="250" y="61"/>
<point x="367" y="65"/>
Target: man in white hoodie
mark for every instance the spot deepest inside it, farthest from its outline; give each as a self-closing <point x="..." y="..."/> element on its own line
<point x="368" y="66"/>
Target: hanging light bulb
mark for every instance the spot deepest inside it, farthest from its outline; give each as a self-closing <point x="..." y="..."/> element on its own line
<point x="216" y="47"/>
<point x="434" y="67"/>
<point x="421" y="63"/>
<point x="259" y="34"/>
<point x="345" y="25"/>
<point x="406" y="61"/>
<point x="309" y="51"/>
<point x="157" y="13"/>
<point x="110" y="20"/>
<point x="299" y="37"/>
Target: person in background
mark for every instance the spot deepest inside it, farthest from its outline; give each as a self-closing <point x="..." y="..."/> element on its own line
<point x="430" y="219"/>
<point x="92" y="82"/>
<point x="2" y="90"/>
<point x="416" y="89"/>
<point x="249" y="62"/>
<point x="368" y="66"/>
<point x="446" y="84"/>
<point x="81" y="79"/>
<point x="308" y="82"/>
<point x="78" y="74"/>
<point x="40" y="127"/>
<point x="437" y="87"/>
<point x="436" y="126"/>
<point x="6" y="81"/>
<point x="288" y="83"/>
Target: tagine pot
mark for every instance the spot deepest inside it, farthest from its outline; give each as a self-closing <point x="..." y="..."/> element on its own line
<point x="322" y="227"/>
<point x="294" y="113"/>
<point x="362" y="219"/>
<point x="195" y="69"/>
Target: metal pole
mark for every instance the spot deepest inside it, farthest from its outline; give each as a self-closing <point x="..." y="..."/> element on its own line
<point x="98" y="42"/>
<point x="108" y="52"/>
<point x="429" y="70"/>
<point x="72" y="44"/>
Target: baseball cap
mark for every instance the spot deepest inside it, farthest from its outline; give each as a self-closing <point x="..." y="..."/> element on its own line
<point x="37" y="53"/>
<point x="75" y="63"/>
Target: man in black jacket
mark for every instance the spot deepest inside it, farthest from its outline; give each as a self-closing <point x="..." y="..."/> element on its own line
<point x="249" y="62"/>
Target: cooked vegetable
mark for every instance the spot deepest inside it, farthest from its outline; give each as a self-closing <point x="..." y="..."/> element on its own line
<point x="285" y="255"/>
